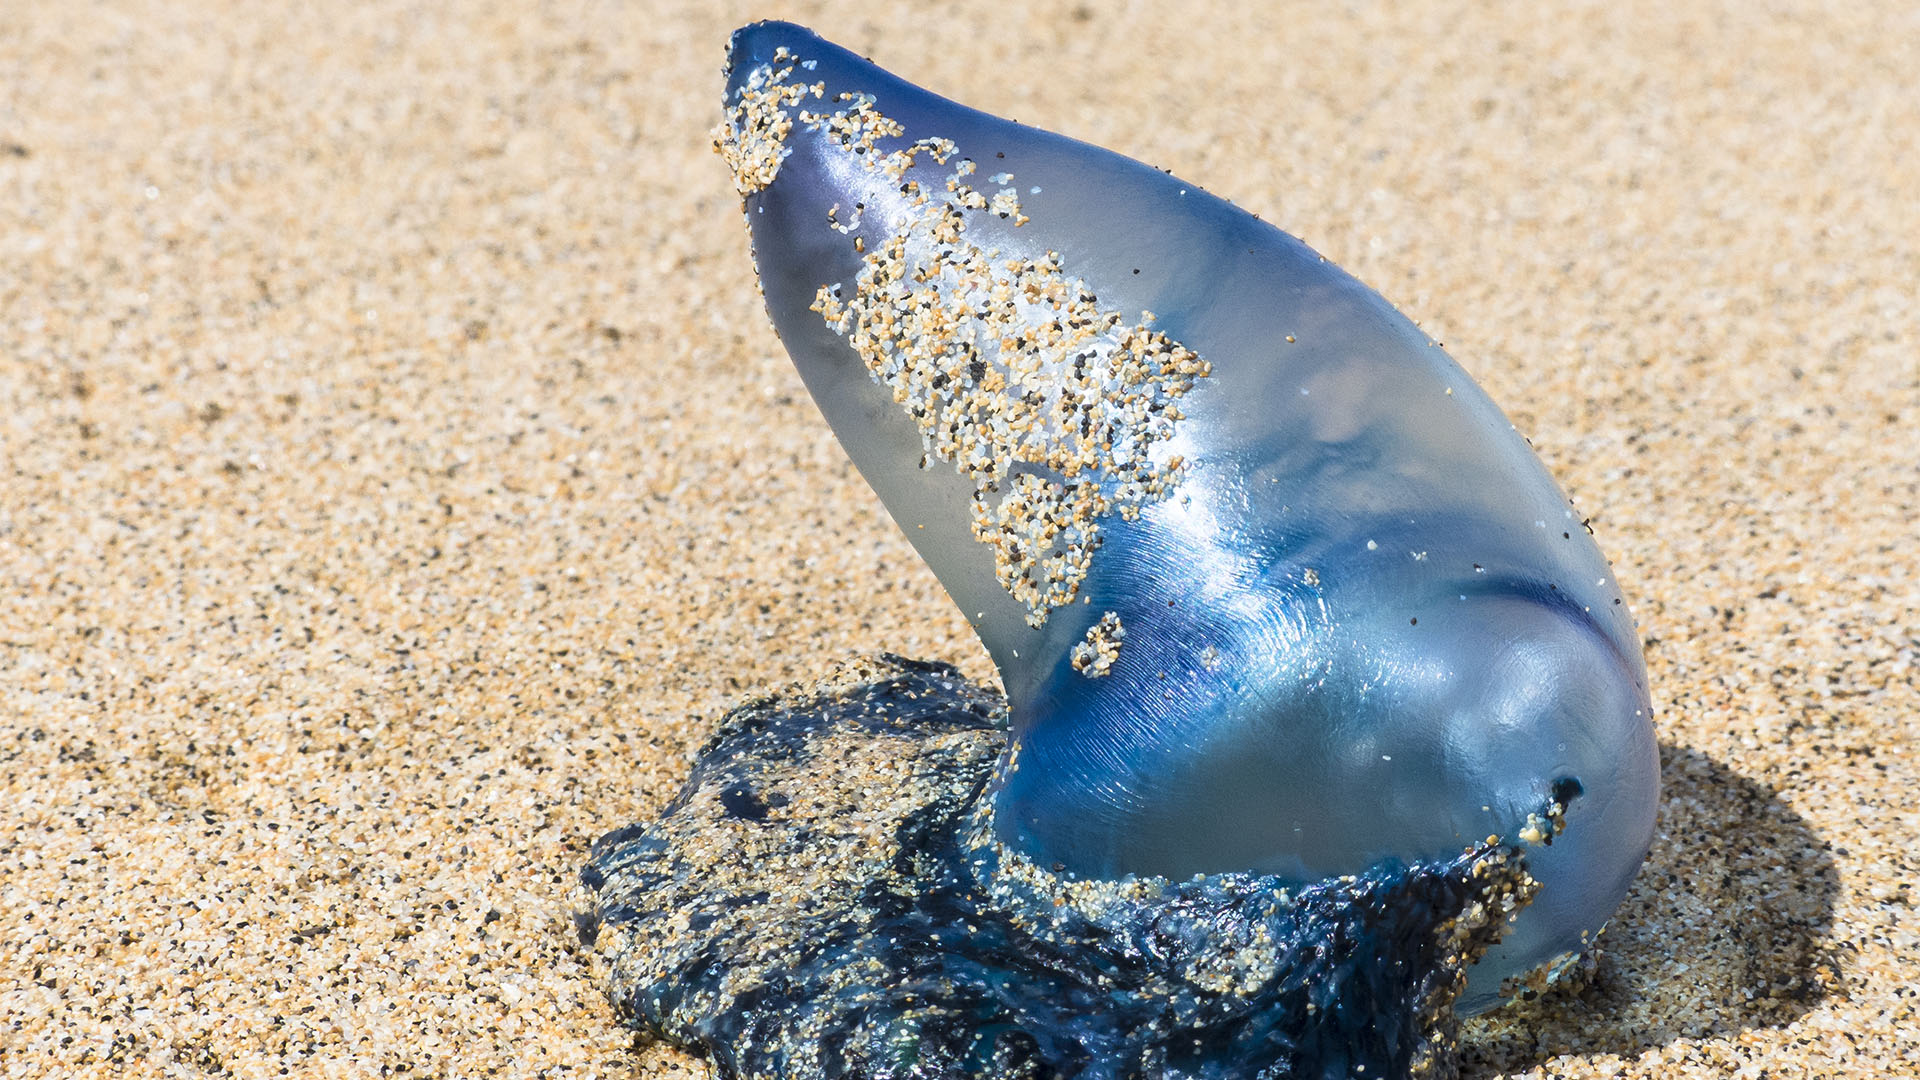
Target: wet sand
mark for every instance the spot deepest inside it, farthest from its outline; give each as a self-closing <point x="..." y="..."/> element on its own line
<point x="402" y="480"/>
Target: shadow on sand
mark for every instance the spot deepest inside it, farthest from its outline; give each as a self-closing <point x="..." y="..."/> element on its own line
<point x="1724" y="931"/>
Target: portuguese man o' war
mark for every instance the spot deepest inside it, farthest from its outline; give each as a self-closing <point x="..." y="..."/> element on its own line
<point x="1323" y="714"/>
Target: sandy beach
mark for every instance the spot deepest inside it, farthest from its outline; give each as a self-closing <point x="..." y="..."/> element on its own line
<point x="402" y="478"/>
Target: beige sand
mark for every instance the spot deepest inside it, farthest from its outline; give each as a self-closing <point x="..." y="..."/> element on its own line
<point x="400" y="478"/>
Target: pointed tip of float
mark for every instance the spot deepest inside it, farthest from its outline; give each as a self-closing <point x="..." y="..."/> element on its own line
<point x="757" y="43"/>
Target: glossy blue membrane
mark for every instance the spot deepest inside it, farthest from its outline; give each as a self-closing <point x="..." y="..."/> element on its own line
<point x="1362" y="626"/>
